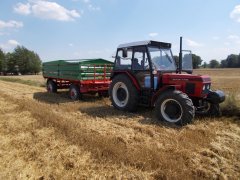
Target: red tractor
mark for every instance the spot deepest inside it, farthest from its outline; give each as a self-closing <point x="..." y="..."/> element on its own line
<point x="145" y="73"/>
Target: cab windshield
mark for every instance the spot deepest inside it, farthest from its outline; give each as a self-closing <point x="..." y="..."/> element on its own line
<point x="162" y="59"/>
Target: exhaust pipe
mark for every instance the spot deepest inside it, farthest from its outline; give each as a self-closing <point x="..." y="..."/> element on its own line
<point x="180" y="58"/>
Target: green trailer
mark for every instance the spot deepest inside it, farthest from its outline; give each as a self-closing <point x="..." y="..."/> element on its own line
<point x="79" y="76"/>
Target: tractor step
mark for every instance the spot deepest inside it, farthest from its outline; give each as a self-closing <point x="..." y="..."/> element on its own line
<point x="145" y="97"/>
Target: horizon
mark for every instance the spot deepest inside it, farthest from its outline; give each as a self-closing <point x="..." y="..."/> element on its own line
<point x="83" y="29"/>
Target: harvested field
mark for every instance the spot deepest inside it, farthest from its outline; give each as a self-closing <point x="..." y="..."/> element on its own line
<point x="47" y="136"/>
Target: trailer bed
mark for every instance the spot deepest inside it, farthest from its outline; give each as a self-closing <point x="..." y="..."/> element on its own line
<point x="90" y="75"/>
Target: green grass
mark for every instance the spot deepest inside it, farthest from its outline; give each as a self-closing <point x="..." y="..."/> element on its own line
<point x="27" y="82"/>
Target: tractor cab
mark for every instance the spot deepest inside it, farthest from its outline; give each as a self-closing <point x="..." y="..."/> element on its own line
<point x="145" y="73"/>
<point x="147" y="61"/>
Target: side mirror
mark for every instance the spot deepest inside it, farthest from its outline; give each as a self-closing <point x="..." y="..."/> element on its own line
<point x="125" y="54"/>
<point x="187" y="63"/>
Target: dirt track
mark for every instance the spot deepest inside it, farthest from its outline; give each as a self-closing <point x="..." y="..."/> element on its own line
<point x="46" y="135"/>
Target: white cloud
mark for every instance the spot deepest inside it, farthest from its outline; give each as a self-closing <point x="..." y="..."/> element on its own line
<point x="23" y="9"/>
<point x="47" y="10"/>
<point x="9" y="45"/>
<point x="233" y="37"/>
<point x="235" y="14"/>
<point x="70" y="44"/>
<point x="93" y="8"/>
<point x="10" y="24"/>
<point x="192" y="43"/>
<point x="154" y="34"/>
<point x="86" y="1"/>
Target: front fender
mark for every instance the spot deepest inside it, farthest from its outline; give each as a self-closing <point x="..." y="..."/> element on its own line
<point x="131" y="77"/>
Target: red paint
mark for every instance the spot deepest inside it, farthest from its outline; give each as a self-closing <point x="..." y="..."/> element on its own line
<point x="132" y="77"/>
<point x="180" y="81"/>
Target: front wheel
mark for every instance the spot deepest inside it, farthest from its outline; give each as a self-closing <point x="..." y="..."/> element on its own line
<point x="212" y="110"/>
<point x="175" y="107"/>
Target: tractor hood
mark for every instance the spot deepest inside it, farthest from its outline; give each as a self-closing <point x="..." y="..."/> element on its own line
<point x="173" y="78"/>
<point x="193" y="85"/>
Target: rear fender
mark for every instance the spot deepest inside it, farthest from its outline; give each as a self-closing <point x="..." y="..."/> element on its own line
<point x="160" y="92"/>
<point x="131" y="77"/>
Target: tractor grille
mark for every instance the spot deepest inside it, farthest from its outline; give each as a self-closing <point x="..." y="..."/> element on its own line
<point x="190" y="88"/>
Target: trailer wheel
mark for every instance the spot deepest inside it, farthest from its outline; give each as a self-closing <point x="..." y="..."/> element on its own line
<point x="123" y="94"/>
<point x="74" y="92"/>
<point x="175" y="107"/>
<point x="51" y="86"/>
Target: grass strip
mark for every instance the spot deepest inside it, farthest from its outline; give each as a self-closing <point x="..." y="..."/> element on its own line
<point x="21" y="81"/>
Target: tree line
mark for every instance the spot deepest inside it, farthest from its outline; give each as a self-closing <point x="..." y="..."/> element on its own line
<point x="196" y="61"/>
<point x="20" y="61"/>
<point x="232" y="61"/>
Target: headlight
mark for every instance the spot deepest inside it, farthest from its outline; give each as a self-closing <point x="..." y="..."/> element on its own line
<point x="206" y="87"/>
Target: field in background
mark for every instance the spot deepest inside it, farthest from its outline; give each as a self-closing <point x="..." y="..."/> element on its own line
<point x="47" y="136"/>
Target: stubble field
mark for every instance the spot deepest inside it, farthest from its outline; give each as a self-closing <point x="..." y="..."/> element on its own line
<point x="47" y="136"/>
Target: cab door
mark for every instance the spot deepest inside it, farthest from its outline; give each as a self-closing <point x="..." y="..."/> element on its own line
<point x="141" y="70"/>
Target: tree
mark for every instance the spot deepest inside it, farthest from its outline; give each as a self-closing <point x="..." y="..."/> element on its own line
<point x="2" y="56"/>
<point x="232" y="61"/>
<point x="239" y="60"/>
<point x="197" y="61"/>
<point x="10" y="63"/>
<point x="205" y="65"/>
<point x="25" y="61"/>
<point x="214" y="64"/>
<point x="223" y="64"/>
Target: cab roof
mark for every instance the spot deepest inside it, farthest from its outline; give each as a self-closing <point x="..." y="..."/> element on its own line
<point x="145" y="43"/>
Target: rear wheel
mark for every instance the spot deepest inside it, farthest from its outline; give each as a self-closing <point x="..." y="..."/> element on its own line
<point x="175" y="107"/>
<point x="123" y="93"/>
<point x="51" y="86"/>
<point x="74" y="92"/>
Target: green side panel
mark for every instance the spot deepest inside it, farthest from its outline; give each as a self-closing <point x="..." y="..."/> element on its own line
<point x="78" y="69"/>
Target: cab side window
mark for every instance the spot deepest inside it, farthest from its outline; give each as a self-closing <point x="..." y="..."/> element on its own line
<point x="140" y="59"/>
<point x="123" y="62"/>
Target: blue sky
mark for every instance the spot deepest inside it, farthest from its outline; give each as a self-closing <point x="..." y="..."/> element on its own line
<point x="71" y="29"/>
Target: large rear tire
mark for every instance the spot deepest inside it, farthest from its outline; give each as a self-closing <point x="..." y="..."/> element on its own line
<point x="175" y="107"/>
<point x="123" y="94"/>
<point x="51" y="86"/>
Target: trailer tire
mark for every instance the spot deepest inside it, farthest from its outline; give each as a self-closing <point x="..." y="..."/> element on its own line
<point x="123" y="94"/>
<point x="175" y="107"/>
<point x="74" y="92"/>
<point x="51" y="86"/>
